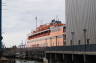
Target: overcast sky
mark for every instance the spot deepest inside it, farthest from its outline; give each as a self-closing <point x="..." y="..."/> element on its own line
<point x="19" y="17"/>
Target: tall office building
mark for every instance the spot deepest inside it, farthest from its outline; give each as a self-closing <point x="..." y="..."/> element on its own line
<point x="81" y="22"/>
<point x="0" y="23"/>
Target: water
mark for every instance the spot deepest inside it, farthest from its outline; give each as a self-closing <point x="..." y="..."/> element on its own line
<point x="26" y="61"/>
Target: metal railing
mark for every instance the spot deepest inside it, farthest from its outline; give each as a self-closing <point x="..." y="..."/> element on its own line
<point x="89" y="48"/>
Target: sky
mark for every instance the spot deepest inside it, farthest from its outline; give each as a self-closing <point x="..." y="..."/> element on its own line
<point x="18" y="17"/>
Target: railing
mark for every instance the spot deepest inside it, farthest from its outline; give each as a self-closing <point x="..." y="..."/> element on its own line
<point x="89" y="48"/>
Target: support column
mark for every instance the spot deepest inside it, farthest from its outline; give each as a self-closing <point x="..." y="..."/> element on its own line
<point x="90" y="58"/>
<point x="84" y="56"/>
<point x="51" y="59"/>
<point x="63" y="57"/>
<point x="78" y="59"/>
<point x="59" y="58"/>
<point x="67" y="58"/>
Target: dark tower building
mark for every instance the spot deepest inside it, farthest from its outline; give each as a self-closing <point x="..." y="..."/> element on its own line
<point x="0" y="23"/>
<point x="0" y="28"/>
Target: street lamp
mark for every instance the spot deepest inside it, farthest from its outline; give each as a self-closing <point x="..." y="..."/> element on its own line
<point x="72" y="43"/>
<point x="84" y="31"/>
<point x="72" y="33"/>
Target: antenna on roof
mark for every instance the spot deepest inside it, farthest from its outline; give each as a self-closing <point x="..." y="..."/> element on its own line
<point x="57" y="18"/>
<point x="36" y="21"/>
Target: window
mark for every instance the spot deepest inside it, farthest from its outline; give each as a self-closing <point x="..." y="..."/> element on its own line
<point x="60" y="36"/>
<point x="51" y="41"/>
<point x="79" y="41"/>
<point x="64" y="29"/>
<point x="64" y="43"/>
<point x="70" y="42"/>
<point x="57" y="43"/>
<point x="64" y="36"/>
<point x="45" y="39"/>
<point x="56" y="29"/>
<point x="88" y="41"/>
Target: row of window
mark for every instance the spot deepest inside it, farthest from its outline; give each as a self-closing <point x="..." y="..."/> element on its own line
<point x="56" y="29"/>
<point x="48" y="38"/>
<point x="79" y="42"/>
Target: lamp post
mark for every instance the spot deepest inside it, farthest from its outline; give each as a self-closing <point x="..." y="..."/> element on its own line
<point x="72" y="33"/>
<point x="56" y="41"/>
<point x="84" y="31"/>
